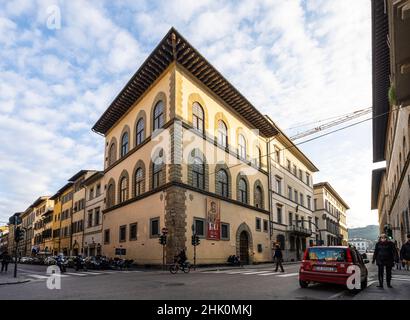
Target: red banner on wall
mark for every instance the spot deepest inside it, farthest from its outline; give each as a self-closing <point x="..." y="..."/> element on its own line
<point x="213" y="219"/>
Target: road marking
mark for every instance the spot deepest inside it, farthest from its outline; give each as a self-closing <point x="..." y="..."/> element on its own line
<point x="401" y="279"/>
<point x="37" y="276"/>
<point x="288" y="275"/>
<point x="256" y="272"/>
<point x="76" y="274"/>
<point x="95" y="273"/>
<point x="267" y="274"/>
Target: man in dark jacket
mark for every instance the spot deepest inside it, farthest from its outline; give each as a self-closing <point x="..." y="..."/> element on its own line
<point x="405" y="253"/>
<point x="384" y="255"/>
<point x="278" y="258"/>
<point x="6" y="258"/>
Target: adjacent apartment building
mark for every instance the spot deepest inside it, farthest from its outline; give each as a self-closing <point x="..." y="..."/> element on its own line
<point x="291" y="175"/>
<point x="185" y="152"/>
<point x="391" y="122"/>
<point x="94" y="206"/>
<point x="330" y="214"/>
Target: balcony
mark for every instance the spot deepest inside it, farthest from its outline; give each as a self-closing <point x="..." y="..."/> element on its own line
<point x="300" y="231"/>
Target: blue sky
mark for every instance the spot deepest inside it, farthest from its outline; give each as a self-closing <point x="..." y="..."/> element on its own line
<point x="294" y="60"/>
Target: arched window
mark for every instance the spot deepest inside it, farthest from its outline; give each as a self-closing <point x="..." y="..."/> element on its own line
<point x="110" y="195"/>
<point x="198" y="117"/>
<point x="139" y="180"/>
<point x="258" y="159"/>
<point x="140" y="132"/>
<point x="258" y="197"/>
<point x="242" y="146"/>
<point x="112" y="154"/>
<point x="198" y="172"/>
<point x="243" y="191"/>
<point x="158" y="115"/>
<point x="123" y="189"/>
<point x="157" y="171"/>
<point x="222" y="183"/>
<point x="222" y="134"/>
<point x="124" y="144"/>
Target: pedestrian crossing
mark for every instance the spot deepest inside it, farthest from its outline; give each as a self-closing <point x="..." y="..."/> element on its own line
<point x="253" y="272"/>
<point x="44" y="276"/>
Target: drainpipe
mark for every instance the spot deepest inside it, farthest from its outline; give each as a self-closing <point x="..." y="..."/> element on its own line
<point x="269" y="189"/>
<point x="85" y="209"/>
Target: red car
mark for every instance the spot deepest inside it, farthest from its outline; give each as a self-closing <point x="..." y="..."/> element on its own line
<point x="329" y="265"/>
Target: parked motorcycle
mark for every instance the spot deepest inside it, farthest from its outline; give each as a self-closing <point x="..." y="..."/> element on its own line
<point x="80" y="263"/>
<point x="62" y="263"/>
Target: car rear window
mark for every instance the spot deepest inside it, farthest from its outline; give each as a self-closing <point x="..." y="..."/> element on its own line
<point x="327" y="254"/>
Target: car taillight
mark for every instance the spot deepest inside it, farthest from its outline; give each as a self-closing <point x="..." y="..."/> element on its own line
<point x="305" y="255"/>
<point x="349" y="256"/>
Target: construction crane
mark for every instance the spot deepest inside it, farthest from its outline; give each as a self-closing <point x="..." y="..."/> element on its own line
<point x="335" y="122"/>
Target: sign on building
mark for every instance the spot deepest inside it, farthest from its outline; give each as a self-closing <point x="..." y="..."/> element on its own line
<point x="213" y="219"/>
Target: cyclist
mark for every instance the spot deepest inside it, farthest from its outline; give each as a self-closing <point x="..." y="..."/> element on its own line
<point x="181" y="257"/>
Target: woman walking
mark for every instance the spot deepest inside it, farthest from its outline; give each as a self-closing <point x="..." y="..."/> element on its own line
<point x="384" y="256"/>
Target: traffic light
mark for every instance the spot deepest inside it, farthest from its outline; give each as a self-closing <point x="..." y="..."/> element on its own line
<point x="195" y="240"/>
<point x="19" y="235"/>
<point x="163" y="239"/>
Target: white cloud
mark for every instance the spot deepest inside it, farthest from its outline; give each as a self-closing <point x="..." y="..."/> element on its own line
<point x="294" y="60"/>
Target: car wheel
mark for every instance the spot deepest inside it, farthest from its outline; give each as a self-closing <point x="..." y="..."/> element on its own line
<point x="303" y="284"/>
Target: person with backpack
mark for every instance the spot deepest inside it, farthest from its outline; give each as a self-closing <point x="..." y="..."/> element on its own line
<point x="405" y="253"/>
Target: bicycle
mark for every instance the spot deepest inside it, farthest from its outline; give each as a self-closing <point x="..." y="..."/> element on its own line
<point x="185" y="267"/>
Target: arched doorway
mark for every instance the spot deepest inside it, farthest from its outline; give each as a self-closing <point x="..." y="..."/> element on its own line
<point x="244" y="247"/>
<point x="244" y="244"/>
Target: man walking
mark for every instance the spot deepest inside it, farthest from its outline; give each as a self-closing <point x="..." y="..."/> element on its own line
<point x="384" y="255"/>
<point x="278" y="258"/>
<point x="405" y="253"/>
<point x="5" y="261"/>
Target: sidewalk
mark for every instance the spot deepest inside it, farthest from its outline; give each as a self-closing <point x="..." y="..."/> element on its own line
<point x="7" y="278"/>
<point x="249" y="266"/>
<point x="400" y="290"/>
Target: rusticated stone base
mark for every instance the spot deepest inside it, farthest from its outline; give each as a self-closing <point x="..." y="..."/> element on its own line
<point x="175" y="221"/>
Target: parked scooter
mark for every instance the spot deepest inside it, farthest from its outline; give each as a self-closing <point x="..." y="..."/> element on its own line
<point x="80" y="263"/>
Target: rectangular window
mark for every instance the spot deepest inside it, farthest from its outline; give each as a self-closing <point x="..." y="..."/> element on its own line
<point x="301" y="200"/>
<point x="309" y="200"/>
<point x="90" y="219"/>
<point x="289" y="165"/>
<point x="91" y="195"/>
<point x="107" y="236"/>
<point x="265" y="225"/>
<point x="123" y="232"/>
<point x="97" y="217"/>
<point x="199" y="227"/>
<point x="133" y="231"/>
<point x="307" y="178"/>
<point x="225" y="231"/>
<point x="290" y="193"/>
<point x="315" y="204"/>
<point x="98" y="190"/>
<point x="279" y="214"/>
<point x="300" y="174"/>
<point x="278" y="185"/>
<point x="296" y="193"/>
<point x="290" y="218"/>
<point x="294" y="170"/>
<point x="154" y="227"/>
<point x="258" y="224"/>
<point x="277" y="152"/>
<point x="310" y="223"/>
